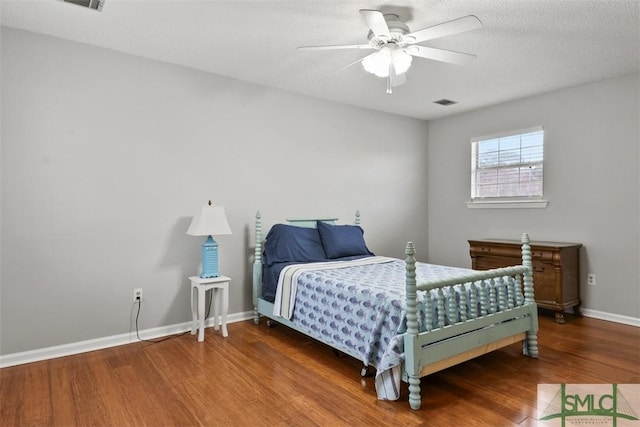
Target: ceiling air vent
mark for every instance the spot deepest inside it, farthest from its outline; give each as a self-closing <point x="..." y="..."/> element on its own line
<point x="445" y="102"/>
<point x="91" y="4"/>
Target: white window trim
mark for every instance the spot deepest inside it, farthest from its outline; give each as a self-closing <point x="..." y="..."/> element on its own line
<point x="506" y="203"/>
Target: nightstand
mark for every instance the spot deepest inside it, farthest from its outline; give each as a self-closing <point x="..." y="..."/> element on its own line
<point x="199" y="287"/>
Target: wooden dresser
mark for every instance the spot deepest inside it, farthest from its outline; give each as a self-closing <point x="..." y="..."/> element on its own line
<point x="556" y="269"/>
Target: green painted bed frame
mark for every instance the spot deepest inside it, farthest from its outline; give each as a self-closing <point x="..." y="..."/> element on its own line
<point x="510" y="316"/>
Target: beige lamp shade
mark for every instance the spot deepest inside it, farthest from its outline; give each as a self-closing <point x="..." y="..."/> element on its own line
<point x="209" y="221"/>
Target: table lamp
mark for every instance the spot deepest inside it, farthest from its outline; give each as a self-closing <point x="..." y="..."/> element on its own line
<point x="208" y="221"/>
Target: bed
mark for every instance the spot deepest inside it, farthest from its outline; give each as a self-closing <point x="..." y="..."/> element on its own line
<point x="404" y="318"/>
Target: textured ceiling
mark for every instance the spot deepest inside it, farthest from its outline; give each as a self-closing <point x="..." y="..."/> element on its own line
<point x="525" y="46"/>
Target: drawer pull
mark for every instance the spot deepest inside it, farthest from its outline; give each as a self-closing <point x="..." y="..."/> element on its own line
<point x="537" y="254"/>
<point x="486" y="250"/>
<point x="538" y="269"/>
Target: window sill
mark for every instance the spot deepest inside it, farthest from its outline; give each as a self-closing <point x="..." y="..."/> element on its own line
<point x="507" y="204"/>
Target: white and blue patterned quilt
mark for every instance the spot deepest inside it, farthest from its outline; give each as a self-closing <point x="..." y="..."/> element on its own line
<point x="360" y="309"/>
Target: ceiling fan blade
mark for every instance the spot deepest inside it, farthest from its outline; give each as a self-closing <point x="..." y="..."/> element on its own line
<point x="331" y="47"/>
<point x="440" y="54"/>
<point x="354" y="63"/>
<point x="396" y="79"/>
<point x="456" y="26"/>
<point x="375" y="21"/>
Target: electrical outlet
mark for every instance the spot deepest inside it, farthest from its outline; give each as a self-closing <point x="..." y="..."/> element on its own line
<point x="137" y="294"/>
<point x="591" y="279"/>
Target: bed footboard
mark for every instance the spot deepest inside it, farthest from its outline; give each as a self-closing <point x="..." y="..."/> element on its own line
<point x="506" y="313"/>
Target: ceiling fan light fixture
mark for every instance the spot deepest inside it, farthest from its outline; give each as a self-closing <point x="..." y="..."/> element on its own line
<point x="401" y="60"/>
<point x="390" y="54"/>
<point x="378" y="63"/>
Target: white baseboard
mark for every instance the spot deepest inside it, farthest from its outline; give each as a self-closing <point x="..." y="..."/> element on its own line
<point x="106" y="342"/>
<point x="611" y="317"/>
<point x="163" y="331"/>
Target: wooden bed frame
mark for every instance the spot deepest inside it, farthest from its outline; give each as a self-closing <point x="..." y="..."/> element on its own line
<point x="507" y="318"/>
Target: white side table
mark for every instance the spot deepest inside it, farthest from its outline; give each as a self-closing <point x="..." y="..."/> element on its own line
<point x="216" y="285"/>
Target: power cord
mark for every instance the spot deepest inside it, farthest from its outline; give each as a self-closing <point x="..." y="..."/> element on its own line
<point x="139" y="302"/>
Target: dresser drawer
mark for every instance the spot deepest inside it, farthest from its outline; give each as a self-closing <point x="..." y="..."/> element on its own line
<point x="511" y="251"/>
<point x="543" y="274"/>
<point x="541" y="254"/>
<point x="544" y="283"/>
<point x="489" y="262"/>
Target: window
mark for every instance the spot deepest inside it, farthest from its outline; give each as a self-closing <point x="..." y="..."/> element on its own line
<point x="508" y="167"/>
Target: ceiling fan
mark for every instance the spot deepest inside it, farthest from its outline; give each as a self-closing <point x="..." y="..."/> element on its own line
<point x="395" y="46"/>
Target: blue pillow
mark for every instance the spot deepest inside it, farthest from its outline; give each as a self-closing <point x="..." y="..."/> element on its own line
<point x="342" y="240"/>
<point x="288" y="243"/>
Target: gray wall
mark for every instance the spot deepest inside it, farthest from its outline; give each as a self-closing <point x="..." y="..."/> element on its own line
<point x="591" y="181"/>
<point x="106" y="156"/>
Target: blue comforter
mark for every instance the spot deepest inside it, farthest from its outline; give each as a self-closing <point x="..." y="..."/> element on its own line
<point x="270" y="274"/>
<point x="361" y="309"/>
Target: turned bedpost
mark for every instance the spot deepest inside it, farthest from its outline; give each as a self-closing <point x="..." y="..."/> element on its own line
<point x="410" y="265"/>
<point x="357" y="221"/>
<point x="412" y="366"/>
<point x="530" y="346"/>
<point x="528" y="275"/>
<point x="257" y="268"/>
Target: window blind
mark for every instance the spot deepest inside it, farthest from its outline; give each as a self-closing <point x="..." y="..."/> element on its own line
<point x="508" y="165"/>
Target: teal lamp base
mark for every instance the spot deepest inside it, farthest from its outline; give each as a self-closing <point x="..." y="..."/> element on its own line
<point x="209" y="259"/>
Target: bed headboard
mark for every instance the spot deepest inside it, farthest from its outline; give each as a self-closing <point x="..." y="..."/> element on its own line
<point x="309" y="222"/>
<point x="257" y="260"/>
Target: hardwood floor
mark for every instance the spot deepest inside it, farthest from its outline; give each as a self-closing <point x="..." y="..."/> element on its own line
<point x="262" y="376"/>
